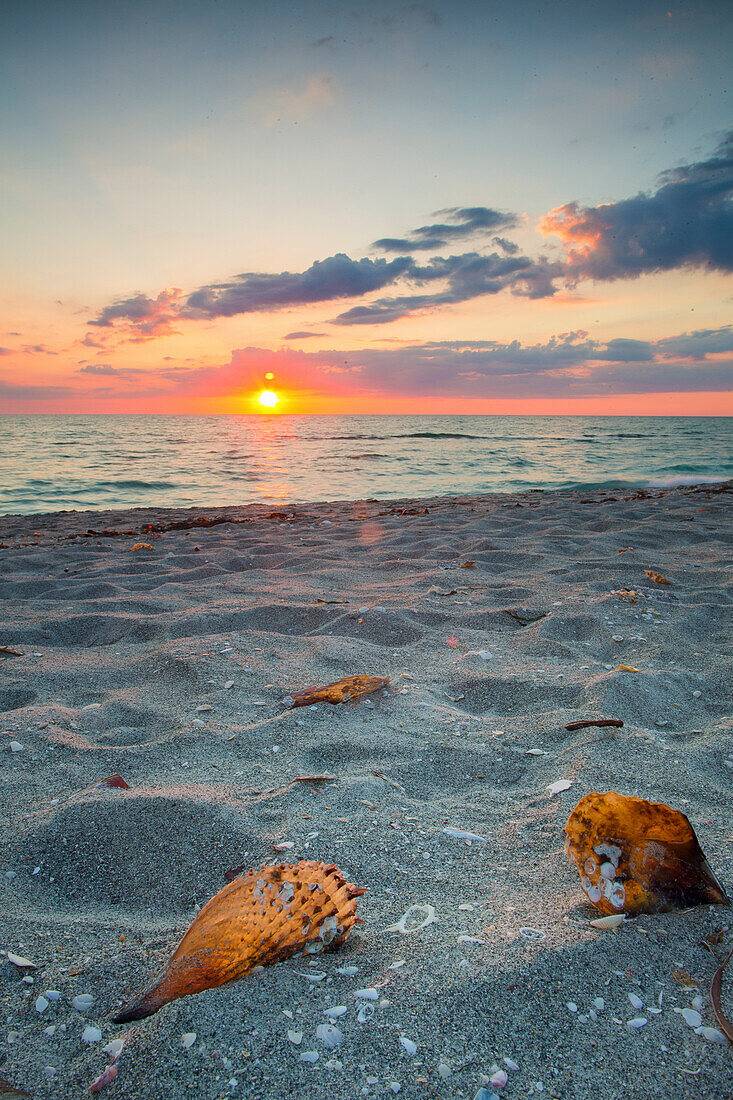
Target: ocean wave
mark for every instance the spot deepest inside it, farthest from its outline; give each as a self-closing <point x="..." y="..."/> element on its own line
<point x="686" y="479"/>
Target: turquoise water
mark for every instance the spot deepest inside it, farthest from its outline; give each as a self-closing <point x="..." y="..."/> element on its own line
<point x="54" y="463"/>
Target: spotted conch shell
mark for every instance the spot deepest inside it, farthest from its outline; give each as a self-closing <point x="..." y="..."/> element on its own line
<point x="635" y="856"/>
<point x="259" y="919"/>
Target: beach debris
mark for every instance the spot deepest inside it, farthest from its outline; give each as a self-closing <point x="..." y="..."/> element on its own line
<point x="369" y="994"/>
<point x="483" y="654"/>
<point x="635" y="856"/>
<point x="627" y="668"/>
<point x="558" y="786"/>
<point x="10" y="1091"/>
<point x="83" y="1002"/>
<point x="656" y="577"/>
<point x="392" y="782"/>
<point x="259" y="919"/>
<point x="408" y="1046"/>
<point x="534" y="935"/>
<point x="499" y="1079"/>
<point x="295" y="1037"/>
<point x="436" y="590"/>
<point x="468" y="565"/>
<point x="594" y="722"/>
<point x="613" y="921"/>
<point x="111" y="781"/>
<point x="91" y="1034"/>
<point x="141" y="546"/>
<point x="188" y="1039"/>
<point x="329" y="1035"/>
<point x="461" y="834"/>
<point x="10" y="652"/>
<point x="105" y="1078"/>
<point x="20" y="962"/>
<point x="345" y="690"/>
<point x="713" y="1035"/>
<point x="413" y="919"/>
<point x="628" y="595"/>
<point x="452" y="642"/>
<point x="715" y="992"/>
<point x="114" y="1048"/>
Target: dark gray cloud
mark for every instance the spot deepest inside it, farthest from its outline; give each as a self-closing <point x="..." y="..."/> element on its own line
<point x="463" y="221"/>
<point x="325" y="280"/>
<point x="686" y="222"/>
<point x="302" y="335"/>
<point x="99" y="368"/>
<point x="6" y="351"/>
<point x="698" y="344"/>
<point x="39" y="393"/>
<point x="466" y="276"/>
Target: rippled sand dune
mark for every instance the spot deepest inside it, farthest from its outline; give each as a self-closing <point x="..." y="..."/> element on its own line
<point x="169" y="666"/>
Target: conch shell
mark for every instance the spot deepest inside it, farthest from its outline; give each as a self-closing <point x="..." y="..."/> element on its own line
<point x="635" y="856"/>
<point x="259" y="919"/>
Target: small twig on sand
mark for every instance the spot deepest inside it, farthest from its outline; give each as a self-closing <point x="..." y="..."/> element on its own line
<point x="392" y="782"/>
<point x="10" y="652"/>
<point x="595" y="722"/>
<point x="586" y="741"/>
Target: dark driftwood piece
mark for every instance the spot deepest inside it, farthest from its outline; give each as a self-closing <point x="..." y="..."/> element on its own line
<point x="595" y="722"/>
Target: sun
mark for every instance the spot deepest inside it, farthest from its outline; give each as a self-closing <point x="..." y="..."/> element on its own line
<point x="268" y="399"/>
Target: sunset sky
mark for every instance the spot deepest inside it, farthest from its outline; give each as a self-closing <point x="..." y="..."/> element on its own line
<point x="389" y="207"/>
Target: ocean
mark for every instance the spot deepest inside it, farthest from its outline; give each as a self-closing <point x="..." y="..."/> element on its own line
<point x="55" y="463"/>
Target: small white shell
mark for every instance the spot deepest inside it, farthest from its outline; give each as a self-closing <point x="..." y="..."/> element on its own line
<point x="114" y="1048"/>
<point x="461" y="834"/>
<point x="637" y="1022"/>
<point x="614" y="920"/>
<point x="691" y="1017"/>
<point x="412" y="914"/>
<point x="366" y="994"/>
<point x="311" y="1056"/>
<point x="408" y="1046"/>
<point x="295" y="1037"/>
<point x="558" y="786"/>
<point x="91" y="1034"/>
<point x="335" y="1011"/>
<point x="636" y="1002"/>
<point x="712" y="1035"/>
<point x="329" y="1035"/>
<point x="20" y="962"/>
<point x="187" y="1040"/>
<point x="83" y="1002"/>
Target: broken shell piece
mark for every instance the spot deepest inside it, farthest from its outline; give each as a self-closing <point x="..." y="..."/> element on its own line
<point x="105" y="1078"/>
<point x="257" y="920"/>
<point x="614" y="920"/>
<point x="413" y="919"/>
<point x="329" y="1035"/>
<point x="341" y="691"/>
<point x="558" y="786"/>
<point x="20" y="962"/>
<point x="461" y="834"/>
<point x="656" y="861"/>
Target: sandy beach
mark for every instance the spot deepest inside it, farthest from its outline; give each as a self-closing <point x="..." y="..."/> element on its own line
<point x="169" y="666"/>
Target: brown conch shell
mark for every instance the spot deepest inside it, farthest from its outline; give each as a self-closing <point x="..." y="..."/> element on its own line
<point x="635" y="856"/>
<point x="259" y="919"/>
<point x="342" y="691"/>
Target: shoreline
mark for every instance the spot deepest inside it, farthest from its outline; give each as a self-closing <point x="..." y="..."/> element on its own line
<point x="168" y="666"/>
<point x="258" y="510"/>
